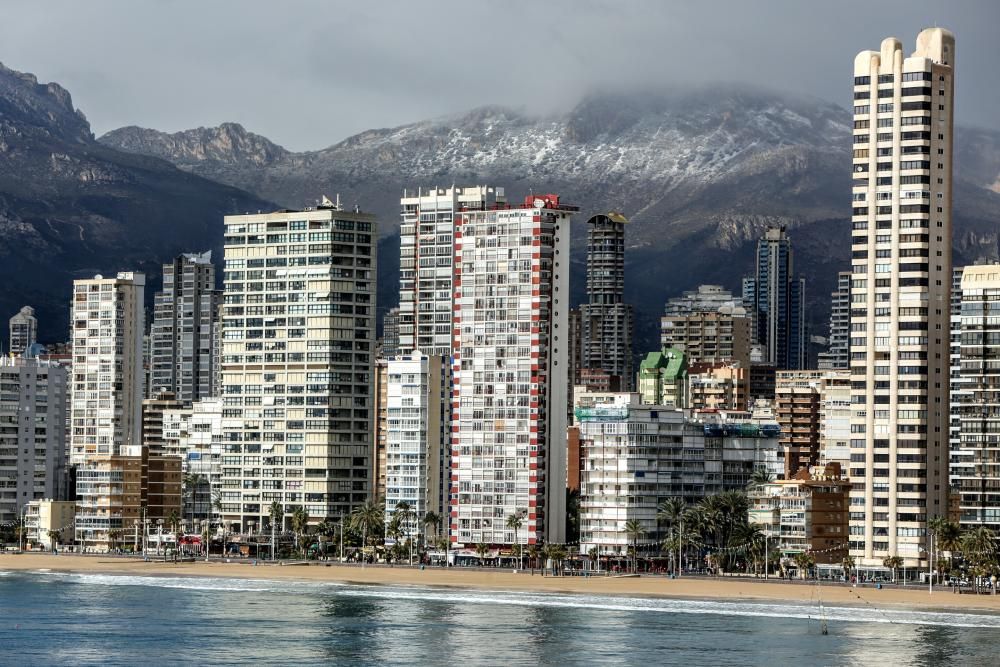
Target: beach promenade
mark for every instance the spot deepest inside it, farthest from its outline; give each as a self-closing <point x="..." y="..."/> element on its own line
<point x="731" y="588"/>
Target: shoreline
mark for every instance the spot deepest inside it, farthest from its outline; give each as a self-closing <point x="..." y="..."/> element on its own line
<point x="732" y="589"/>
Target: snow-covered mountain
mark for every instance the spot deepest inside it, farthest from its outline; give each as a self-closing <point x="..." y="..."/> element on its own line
<point x="700" y="172"/>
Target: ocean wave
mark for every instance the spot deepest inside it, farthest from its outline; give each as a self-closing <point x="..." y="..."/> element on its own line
<point x="788" y="610"/>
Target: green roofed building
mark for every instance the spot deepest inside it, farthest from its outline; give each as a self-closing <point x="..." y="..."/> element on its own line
<point x="662" y="378"/>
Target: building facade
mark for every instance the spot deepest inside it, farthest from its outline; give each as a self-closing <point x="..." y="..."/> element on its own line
<point x="49" y="523"/>
<point x="901" y="249"/>
<point x="108" y="319"/>
<point x="835" y="419"/>
<point x="663" y="379"/>
<point x="23" y="331"/>
<point x="806" y="513"/>
<point x="606" y="321"/>
<point x="837" y="355"/>
<point x="635" y="456"/>
<point x="975" y="401"/>
<point x="797" y="403"/>
<point x="32" y="434"/>
<point x="776" y="301"/>
<point x="417" y="428"/>
<point x="719" y="386"/>
<point x="718" y="336"/>
<point x="186" y="332"/>
<point x="390" y="334"/>
<point x="194" y="436"/>
<point x="510" y="373"/>
<point x="297" y="364"/>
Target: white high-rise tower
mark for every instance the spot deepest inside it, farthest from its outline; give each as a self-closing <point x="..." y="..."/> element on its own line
<point x="901" y="266"/>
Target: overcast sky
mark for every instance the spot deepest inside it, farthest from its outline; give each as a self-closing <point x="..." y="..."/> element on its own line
<point x="308" y="74"/>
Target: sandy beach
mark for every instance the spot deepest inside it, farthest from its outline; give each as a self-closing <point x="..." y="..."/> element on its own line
<point x="915" y="597"/>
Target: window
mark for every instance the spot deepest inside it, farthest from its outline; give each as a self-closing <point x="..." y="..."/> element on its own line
<point x="884" y="122"/>
<point x="916" y="76"/>
<point x="861" y="110"/>
<point x="886" y="108"/>
<point x="862" y="153"/>
<point x="862" y="80"/>
<point x="861" y="124"/>
<point x="885" y="78"/>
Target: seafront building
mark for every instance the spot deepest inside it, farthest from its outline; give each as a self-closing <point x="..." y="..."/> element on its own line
<point x="510" y="373"/>
<point x="835" y="419"/>
<point x="606" y="321"/>
<point x="49" y="523"/>
<point x="797" y="401"/>
<point x="975" y="400"/>
<point x="381" y="427"/>
<point x="107" y="389"/>
<point x="186" y="330"/>
<point x="633" y="456"/>
<point x="775" y="299"/>
<point x="297" y="363"/>
<point x="901" y="250"/>
<point x="417" y="426"/>
<point x="805" y="513"/>
<point x="32" y="434"/>
<point x="23" y="331"/>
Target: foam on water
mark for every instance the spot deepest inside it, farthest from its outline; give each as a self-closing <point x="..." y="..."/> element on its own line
<point x="788" y="610"/>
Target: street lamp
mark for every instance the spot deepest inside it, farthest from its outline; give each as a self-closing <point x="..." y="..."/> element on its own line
<point x="24" y="510"/>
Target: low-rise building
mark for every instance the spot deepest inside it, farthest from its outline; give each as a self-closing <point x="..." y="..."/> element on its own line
<point x="662" y="378"/>
<point x="49" y="522"/>
<point x="807" y="513"/>
<point x="635" y="456"/>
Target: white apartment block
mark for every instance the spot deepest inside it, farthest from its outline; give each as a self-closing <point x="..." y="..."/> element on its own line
<point x="510" y="373"/>
<point x="635" y="456"/>
<point x="426" y="262"/>
<point x="297" y="360"/>
<point x="901" y="249"/>
<point x="108" y="319"/>
<point x="32" y="433"/>
<point x="194" y="434"/>
<point x="417" y="427"/>
<point x="835" y="419"/>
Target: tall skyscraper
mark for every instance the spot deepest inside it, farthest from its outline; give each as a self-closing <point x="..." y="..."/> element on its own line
<point x="23" y="331"/>
<point x="390" y="333"/>
<point x="32" y="434"/>
<point x="186" y="330"/>
<point x="975" y="399"/>
<point x="776" y="300"/>
<point x="510" y="370"/>
<point x="297" y="364"/>
<point x="606" y="320"/>
<point x="427" y="255"/>
<point x="837" y="355"/>
<point x="106" y="390"/>
<point x="901" y="249"/>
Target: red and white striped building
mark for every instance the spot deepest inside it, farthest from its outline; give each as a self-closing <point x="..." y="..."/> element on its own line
<point x="510" y="373"/>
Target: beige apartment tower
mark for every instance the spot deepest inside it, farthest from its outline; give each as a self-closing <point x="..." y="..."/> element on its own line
<point x="900" y="295"/>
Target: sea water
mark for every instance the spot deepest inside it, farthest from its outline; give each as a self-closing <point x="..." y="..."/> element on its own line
<point x="60" y="618"/>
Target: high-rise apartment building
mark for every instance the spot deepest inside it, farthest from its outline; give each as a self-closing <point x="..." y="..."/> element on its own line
<point x="417" y="425"/>
<point x="106" y="387"/>
<point x="427" y="255"/>
<point x="23" y="331"/>
<point x="194" y="436"/>
<point x="390" y="333"/>
<point x="835" y="419"/>
<point x="901" y="250"/>
<point x="776" y="300"/>
<point x="837" y="355"/>
<point x="185" y="333"/>
<point x="297" y="363"/>
<point x="797" y="404"/>
<point x="606" y="320"/>
<point x="510" y="372"/>
<point x="975" y="400"/>
<point x="32" y="433"/>
<point x="381" y="427"/>
<point x="719" y="336"/>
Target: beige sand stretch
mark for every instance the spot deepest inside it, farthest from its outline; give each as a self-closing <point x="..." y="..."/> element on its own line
<point x="913" y="597"/>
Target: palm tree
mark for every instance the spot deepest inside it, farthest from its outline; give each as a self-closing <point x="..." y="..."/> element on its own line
<point x="481" y="551"/>
<point x="893" y="563"/>
<point x="55" y="536"/>
<point x="593" y="555"/>
<point x="368" y="519"/>
<point x="300" y="526"/>
<point x="431" y="520"/>
<point x="848" y="564"/>
<point x="534" y="551"/>
<point x="514" y="523"/>
<point x="980" y="549"/>
<point x="749" y="536"/>
<point x="190" y="484"/>
<point x="173" y="524"/>
<point x="406" y="517"/>
<point x="276" y="513"/>
<point x="113" y="537"/>
<point x="760" y="477"/>
<point x="804" y="561"/>
<point x="634" y="531"/>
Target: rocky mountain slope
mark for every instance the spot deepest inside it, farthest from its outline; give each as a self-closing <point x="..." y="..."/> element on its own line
<point x="71" y="207"/>
<point x="700" y="172"/>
